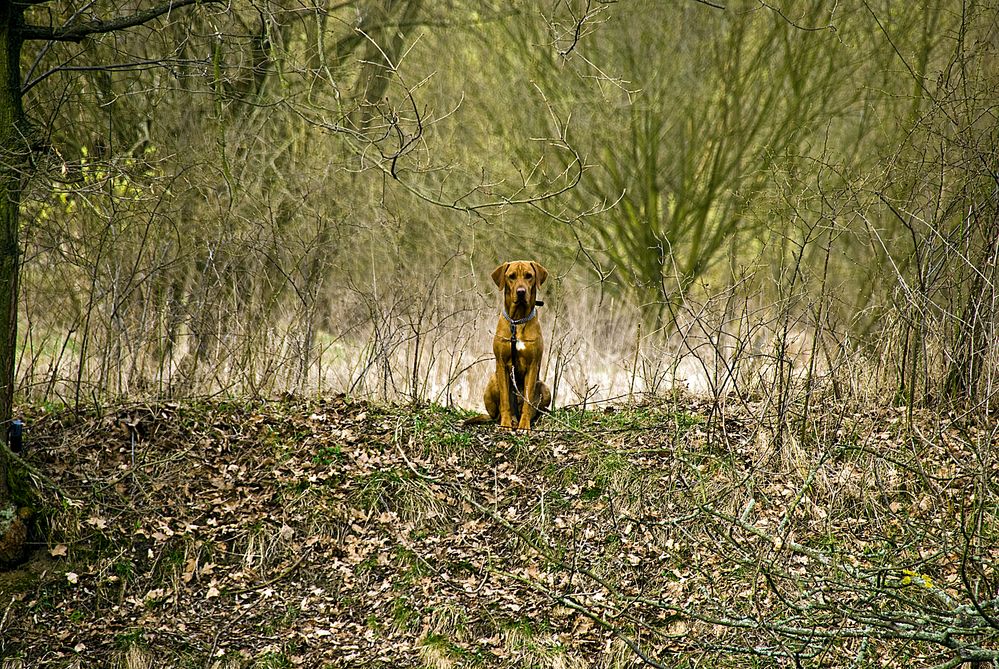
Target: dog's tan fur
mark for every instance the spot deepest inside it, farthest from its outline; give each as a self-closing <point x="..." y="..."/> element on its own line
<point x="519" y="281"/>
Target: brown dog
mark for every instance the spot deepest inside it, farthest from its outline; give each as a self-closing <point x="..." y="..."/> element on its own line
<point x="518" y="346"/>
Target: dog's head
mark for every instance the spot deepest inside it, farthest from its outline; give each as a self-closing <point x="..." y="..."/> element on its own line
<point x="519" y="281"/>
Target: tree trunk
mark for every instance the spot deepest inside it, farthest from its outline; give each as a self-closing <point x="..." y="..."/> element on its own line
<point x="13" y="152"/>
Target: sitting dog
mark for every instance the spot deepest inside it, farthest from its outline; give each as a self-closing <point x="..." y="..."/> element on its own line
<point x="515" y="394"/>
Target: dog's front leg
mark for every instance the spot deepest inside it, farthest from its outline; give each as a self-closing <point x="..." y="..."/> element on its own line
<point x="530" y="382"/>
<point x="503" y="386"/>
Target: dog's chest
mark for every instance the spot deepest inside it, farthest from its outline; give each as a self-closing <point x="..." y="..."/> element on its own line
<point x="518" y="343"/>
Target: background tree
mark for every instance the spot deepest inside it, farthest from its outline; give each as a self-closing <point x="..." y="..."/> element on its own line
<point x="18" y="140"/>
<point x="168" y="257"/>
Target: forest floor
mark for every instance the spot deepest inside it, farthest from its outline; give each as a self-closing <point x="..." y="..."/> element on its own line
<point x="338" y="533"/>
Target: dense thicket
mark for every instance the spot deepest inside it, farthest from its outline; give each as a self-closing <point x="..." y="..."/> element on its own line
<point x="311" y="196"/>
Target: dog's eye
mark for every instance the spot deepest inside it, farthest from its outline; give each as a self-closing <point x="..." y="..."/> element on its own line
<point x="528" y="276"/>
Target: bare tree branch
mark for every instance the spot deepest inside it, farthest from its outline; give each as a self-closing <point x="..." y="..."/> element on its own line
<point x="76" y="33"/>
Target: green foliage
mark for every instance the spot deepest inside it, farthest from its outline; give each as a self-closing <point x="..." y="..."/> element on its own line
<point x="444" y="645"/>
<point x="328" y="455"/>
<point x="19" y="483"/>
<point x="272" y="660"/>
<point x="124" y="568"/>
<point x="437" y="427"/>
<point x="397" y="490"/>
<point x="404" y="616"/>
<point x="129" y="638"/>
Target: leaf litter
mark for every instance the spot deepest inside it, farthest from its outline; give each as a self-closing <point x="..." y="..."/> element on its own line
<point x="341" y="533"/>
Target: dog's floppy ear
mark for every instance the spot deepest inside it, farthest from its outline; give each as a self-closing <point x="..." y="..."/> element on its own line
<point x="498" y="274"/>
<point x="540" y="271"/>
